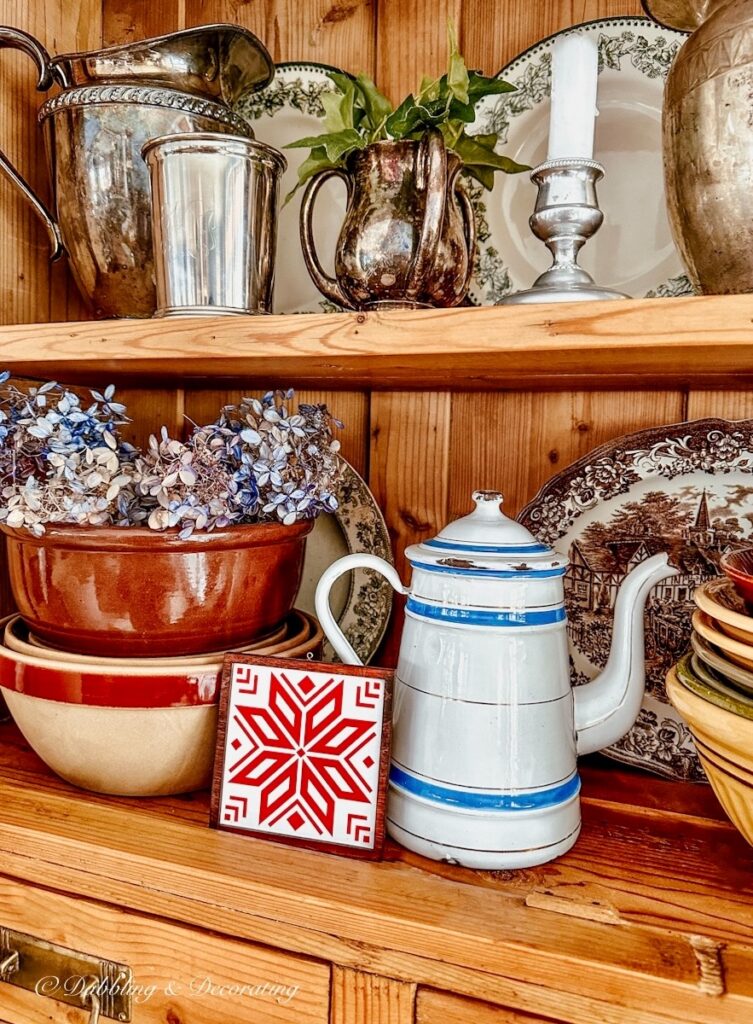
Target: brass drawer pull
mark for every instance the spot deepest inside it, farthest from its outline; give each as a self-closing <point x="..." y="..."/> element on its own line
<point x="78" y="979"/>
<point x="89" y="997"/>
<point x="9" y="964"/>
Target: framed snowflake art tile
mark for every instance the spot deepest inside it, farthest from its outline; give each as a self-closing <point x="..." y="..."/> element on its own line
<point x="303" y="753"/>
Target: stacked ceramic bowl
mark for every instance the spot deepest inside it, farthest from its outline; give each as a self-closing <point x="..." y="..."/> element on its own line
<point x="127" y="726"/>
<point x="712" y="686"/>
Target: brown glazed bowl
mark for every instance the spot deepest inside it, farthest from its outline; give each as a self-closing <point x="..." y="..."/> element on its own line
<point x="738" y="567"/>
<point x="134" y="592"/>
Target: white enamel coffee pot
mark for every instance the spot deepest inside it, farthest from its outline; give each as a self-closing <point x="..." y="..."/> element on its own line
<point x="486" y="725"/>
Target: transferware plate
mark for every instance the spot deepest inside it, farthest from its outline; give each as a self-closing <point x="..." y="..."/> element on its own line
<point x="633" y="251"/>
<point x="361" y="601"/>
<point x="289" y="109"/>
<point x="686" y="489"/>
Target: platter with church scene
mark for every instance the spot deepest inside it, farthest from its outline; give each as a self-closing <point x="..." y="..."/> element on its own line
<point x="686" y="489"/>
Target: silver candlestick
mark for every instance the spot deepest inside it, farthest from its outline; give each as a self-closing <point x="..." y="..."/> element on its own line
<point x="566" y="215"/>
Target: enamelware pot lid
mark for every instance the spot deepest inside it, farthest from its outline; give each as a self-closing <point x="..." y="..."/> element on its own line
<point x="487" y="540"/>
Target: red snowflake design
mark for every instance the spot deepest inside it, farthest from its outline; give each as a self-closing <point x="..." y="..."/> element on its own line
<point x="301" y="751"/>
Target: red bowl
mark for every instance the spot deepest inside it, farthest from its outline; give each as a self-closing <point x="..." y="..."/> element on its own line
<point x="738" y="567"/>
<point x="123" y="683"/>
<point x="107" y="686"/>
<point x="133" y="592"/>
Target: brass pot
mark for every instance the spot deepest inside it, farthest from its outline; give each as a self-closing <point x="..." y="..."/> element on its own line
<point x="409" y="233"/>
<point x="113" y="101"/>
<point x="708" y="141"/>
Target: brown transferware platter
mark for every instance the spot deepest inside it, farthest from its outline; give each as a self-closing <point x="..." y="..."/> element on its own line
<point x="686" y="489"/>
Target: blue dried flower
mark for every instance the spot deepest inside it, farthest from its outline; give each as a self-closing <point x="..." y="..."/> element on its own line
<point x="60" y="462"/>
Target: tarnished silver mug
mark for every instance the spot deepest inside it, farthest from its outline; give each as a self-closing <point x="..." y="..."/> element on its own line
<point x="113" y="101"/>
<point x="214" y="222"/>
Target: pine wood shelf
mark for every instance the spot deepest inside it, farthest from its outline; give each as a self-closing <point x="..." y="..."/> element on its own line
<point x="702" y="342"/>
<point x="649" y="919"/>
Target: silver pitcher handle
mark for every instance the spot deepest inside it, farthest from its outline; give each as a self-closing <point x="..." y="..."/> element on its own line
<point x="327" y="285"/>
<point x="15" y="39"/>
<point x="431" y="179"/>
<point x="321" y="601"/>
<point x="469" y="230"/>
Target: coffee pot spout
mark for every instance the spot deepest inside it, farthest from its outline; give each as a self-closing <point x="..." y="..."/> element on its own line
<point x="608" y="706"/>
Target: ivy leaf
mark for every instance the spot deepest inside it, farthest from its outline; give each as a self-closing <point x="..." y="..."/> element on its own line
<point x="398" y="119"/>
<point x="339" y="106"/>
<point x="429" y="89"/>
<point x="483" y="175"/>
<point x="411" y="117"/>
<point x="490" y="140"/>
<point x="475" y="151"/>
<point x="333" y="119"/>
<point x="422" y="118"/>
<point x="438" y="107"/>
<point x="464" y="112"/>
<point x="457" y="73"/>
<point x="479" y="86"/>
<point x="308" y="142"/>
<point x="377" y="107"/>
<point x="341" y="80"/>
<point x="335" y="144"/>
<point x="316" y="161"/>
<point x="339" y="144"/>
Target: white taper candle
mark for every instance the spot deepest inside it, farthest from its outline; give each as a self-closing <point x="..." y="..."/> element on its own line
<point x="575" y="72"/>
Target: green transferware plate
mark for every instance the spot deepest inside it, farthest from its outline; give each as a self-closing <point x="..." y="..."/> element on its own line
<point x="734" y="674"/>
<point x="722" y="696"/>
<point x="716" y="681"/>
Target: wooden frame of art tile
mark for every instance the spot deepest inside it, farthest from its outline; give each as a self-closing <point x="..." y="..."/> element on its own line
<point x="303" y="751"/>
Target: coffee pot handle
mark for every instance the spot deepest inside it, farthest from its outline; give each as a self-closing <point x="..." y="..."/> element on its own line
<point x="15" y="39"/>
<point x="327" y="285"/>
<point x="431" y="179"/>
<point x="329" y="577"/>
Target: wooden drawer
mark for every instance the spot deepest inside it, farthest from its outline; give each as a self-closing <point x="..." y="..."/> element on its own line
<point x="181" y="975"/>
<point x="436" y="1007"/>
<point x="442" y="1008"/>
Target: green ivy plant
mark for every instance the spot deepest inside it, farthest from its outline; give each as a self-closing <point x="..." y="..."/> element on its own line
<point x="356" y="114"/>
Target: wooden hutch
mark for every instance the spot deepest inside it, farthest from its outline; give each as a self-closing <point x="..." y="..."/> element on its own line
<point x="649" y="919"/>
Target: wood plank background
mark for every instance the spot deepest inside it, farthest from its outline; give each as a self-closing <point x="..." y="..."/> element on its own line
<point x="422" y="453"/>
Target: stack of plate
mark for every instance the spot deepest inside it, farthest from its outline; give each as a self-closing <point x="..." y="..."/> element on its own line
<point x="127" y="726"/>
<point x="712" y="686"/>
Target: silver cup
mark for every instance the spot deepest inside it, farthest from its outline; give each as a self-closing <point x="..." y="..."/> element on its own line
<point x="214" y="222"/>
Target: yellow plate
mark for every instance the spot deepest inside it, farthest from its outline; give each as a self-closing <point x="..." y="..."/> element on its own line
<point x="734" y="649"/>
<point x="297" y="625"/>
<point x="719" y="599"/>
<point x="725" y="733"/>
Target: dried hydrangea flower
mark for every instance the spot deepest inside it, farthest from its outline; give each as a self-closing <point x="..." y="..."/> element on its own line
<point x="294" y="455"/>
<point x="256" y="463"/>
<point x="184" y="484"/>
<point x="61" y="463"/>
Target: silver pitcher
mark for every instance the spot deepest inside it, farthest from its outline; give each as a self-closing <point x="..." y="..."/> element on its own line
<point x="214" y="222"/>
<point x="112" y="102"/>
<point x="409" y="232"/>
